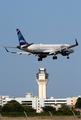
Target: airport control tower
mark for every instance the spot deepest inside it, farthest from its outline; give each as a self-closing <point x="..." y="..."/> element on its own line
<point x="42" y="78"/>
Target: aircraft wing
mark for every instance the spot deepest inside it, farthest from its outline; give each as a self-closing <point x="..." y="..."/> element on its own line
<point x="63" y="48"/>
<point x="74" y="44"/>
<point x="17" y="52"/>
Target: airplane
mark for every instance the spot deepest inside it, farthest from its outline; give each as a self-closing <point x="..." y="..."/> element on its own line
<point x="42" y="50"/>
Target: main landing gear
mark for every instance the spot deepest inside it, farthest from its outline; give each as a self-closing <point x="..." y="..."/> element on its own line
<point x="39" y="59"/>
<point x="54" y="57"/>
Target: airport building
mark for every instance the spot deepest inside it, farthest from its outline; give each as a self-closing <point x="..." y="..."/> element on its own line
<point x="37" y="103"/>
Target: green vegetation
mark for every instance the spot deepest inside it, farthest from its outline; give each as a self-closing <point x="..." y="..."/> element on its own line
<point x="78" y="103"/>
<point x="49" y="108"/>
<point x="64" y="110"/>
<point x="13" y="108"/>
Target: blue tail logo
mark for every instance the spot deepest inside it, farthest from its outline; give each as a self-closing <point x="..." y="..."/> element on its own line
<point x="21" y="38"/>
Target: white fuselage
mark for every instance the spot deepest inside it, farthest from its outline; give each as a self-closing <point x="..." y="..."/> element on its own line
<point x="46" y="48"/>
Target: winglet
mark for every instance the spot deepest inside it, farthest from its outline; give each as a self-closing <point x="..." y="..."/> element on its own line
<point x="76" y="42"/>
<point x="6" y="49"/>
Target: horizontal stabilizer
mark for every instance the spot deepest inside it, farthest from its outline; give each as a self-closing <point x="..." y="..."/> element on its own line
<point x="6" y="49"/>
<point x="9" y="47"/>
<point x="18" y="52"/>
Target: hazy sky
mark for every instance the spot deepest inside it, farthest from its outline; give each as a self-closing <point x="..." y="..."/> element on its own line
<point x="46" y="22"/>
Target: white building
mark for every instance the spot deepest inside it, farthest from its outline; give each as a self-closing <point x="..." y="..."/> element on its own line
<point x="38" y="102"/>
<point x="29" y="100"/>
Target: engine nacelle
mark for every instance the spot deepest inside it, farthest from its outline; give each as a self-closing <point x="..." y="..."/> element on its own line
<point x="65" y="52"/>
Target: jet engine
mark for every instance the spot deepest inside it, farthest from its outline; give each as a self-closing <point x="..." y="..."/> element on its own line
<point x="65" y="52"/>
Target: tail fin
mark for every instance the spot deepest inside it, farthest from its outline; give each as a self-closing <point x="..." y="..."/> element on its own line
<point x="21" y="38"/>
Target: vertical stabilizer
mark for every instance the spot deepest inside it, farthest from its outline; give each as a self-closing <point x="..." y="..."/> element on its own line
<point x="21" y="38"/>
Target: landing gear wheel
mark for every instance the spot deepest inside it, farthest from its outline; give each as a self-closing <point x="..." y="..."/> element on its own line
<point x="67" y="57"/>
<point x="39" y="59"/>
<point x="54" y="57"/>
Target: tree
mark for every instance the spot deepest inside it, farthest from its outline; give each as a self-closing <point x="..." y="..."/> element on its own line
<point x="65" y="110"/>
<point x="49" y="108"/>
<point x="78" y="103"/>
<point x="12" y="106"/>
<point x="29" y="109"/>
